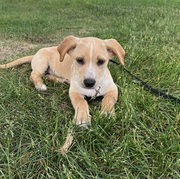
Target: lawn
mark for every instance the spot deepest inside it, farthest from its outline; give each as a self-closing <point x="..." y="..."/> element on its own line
<point x="141" y="141"/>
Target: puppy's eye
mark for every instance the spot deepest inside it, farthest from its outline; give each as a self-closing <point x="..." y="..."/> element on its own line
<point x="80" y="61"/>
<point x="100" y="62"/>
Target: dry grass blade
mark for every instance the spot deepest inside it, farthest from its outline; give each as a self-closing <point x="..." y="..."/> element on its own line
<point x="69" y="139"/>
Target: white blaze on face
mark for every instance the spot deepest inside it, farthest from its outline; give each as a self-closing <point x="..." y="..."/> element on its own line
<point x="90" y="70"/>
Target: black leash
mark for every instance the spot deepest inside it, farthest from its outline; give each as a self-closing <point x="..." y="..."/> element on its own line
<point x="155" y="91"/>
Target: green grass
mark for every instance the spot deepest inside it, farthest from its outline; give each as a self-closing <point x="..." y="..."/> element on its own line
<point x="142" y="141"/>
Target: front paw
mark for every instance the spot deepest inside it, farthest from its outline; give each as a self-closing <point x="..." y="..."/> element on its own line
<point x="107" y="109"/>
<point x="108" y="112"/>
<point x="41" y="87"/>
<point x="82" y="120"/>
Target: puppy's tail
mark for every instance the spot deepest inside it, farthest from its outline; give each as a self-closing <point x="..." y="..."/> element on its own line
<point x="17" y="62"/>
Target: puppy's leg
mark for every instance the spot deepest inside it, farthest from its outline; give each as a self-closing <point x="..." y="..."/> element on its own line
<point x="82" y="116"/>
<point x="109" y="101"/>
<point x="57" y="79"/>
<point x="36" y="78"/>
<point x="39" y="65"/>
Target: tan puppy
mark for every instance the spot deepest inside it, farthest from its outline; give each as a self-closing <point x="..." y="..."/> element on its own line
<point x="83" y="63"/>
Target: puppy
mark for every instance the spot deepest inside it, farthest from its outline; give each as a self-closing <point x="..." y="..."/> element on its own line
<point x="83" y="63"/>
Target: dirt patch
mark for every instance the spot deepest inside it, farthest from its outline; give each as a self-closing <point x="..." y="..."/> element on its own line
<point x="9" y="49"/>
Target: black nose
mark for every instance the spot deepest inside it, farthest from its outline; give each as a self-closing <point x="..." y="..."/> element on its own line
<point x="89" y="82"/>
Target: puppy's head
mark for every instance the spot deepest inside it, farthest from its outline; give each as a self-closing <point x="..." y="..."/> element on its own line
<point x="90" y="57"/>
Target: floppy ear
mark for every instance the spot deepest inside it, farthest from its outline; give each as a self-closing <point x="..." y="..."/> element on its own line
<point x="69" y="43"/>
<point x="115" y="49"/>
